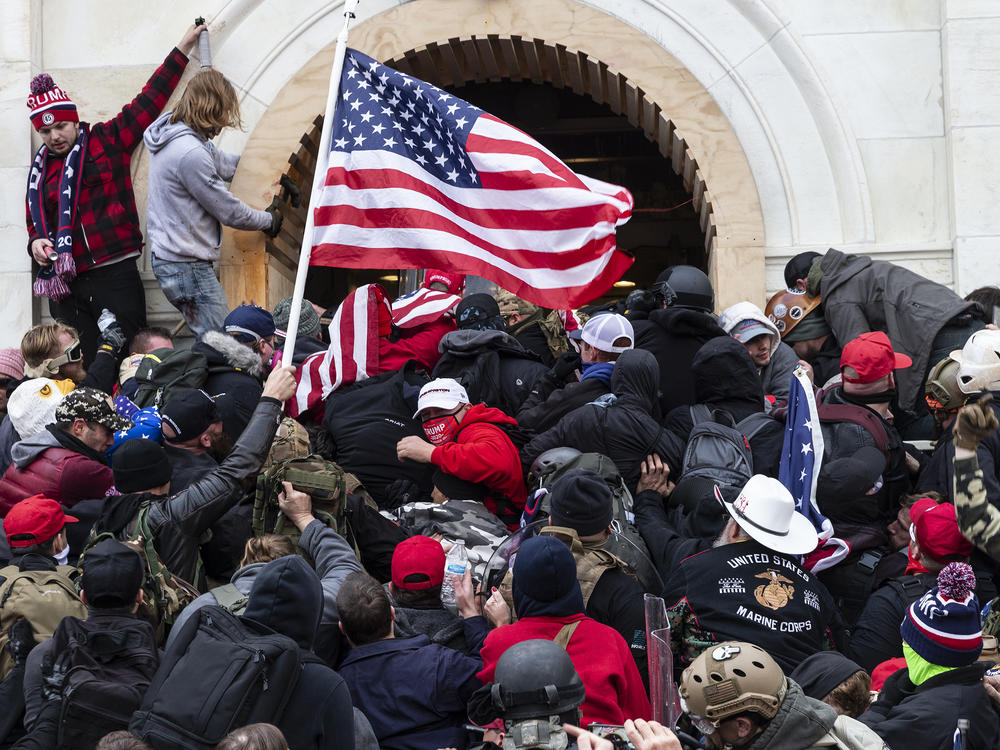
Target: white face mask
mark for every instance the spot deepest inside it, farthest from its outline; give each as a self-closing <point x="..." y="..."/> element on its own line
<point x="63" y="557"/>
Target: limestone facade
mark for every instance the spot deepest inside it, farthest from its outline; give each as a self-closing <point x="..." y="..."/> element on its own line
<point x="871" y="127"/>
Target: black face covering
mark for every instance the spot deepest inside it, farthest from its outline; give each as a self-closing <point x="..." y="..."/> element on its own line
<point x="882" y="397"/>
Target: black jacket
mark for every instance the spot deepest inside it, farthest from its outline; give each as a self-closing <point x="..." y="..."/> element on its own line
<point x="532" y="338"/>
<point x="178" y="521"/>
<point x="367" y="419"/>
<point x="494" y="368"/>
<point x="726" y="379"/>
<point x="548" y="402"/>
<point x="287" y="597"/>
<point x="235" y="377"/>
<point x="618" y="602"/>
<point x="927" y="715"/>
<point x="625" y="431"/>
<point x="674" y="335"/>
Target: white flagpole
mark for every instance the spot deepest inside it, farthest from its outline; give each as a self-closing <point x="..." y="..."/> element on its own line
<point x="319" y="177"/>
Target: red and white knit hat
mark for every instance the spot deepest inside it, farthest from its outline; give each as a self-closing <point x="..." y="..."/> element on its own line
<point x="48" y="103"/>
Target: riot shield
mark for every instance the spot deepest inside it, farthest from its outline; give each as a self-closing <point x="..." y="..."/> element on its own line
<point x="663" y="694"/>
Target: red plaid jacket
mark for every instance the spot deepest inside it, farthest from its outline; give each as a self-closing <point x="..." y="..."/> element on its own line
<point x="107" y="220"/>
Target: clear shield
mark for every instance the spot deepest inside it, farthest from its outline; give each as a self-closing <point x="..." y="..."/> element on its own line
<point x="663" y="694"/>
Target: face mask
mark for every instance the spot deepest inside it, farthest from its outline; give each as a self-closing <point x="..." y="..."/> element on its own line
<point x="441" y="430"/>
<point x="882" y="397"/>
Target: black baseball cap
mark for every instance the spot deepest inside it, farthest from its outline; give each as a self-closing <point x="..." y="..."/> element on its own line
<point x="189" y="412"/>
<point x="112" y="574"/>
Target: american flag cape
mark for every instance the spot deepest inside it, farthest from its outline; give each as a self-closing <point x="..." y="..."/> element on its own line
<point x="801" y="458"/>
<point x="353" y="353"/>
<point x="416" y="177"/>
<point x="423" y="306"/>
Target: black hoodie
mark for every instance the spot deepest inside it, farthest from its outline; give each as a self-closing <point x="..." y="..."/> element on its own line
<point x="624" y="431"/>
<point x="287" y="597"/>
<point x="674" y="335"/>
<point x="725" y="378"/>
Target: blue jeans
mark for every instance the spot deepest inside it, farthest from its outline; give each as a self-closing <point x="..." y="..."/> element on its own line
<point x="192" y="288"/>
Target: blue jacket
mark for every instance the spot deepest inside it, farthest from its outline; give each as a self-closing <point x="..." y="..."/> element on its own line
<point x="413" y="692"/>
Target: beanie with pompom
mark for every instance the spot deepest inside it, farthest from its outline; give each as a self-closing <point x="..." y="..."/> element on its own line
<point x="48" y="104"/>
<point x="943" y="626"/>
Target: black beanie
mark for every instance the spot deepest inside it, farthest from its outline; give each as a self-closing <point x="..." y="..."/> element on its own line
<point x="458" y="489"/>
<point x="140" y="464"/>
<point x="581" y="500"/>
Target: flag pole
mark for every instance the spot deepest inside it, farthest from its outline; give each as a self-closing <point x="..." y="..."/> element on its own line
<point x="319" y="177"/>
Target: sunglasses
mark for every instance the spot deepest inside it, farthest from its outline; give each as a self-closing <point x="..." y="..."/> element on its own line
<point x="72" y="353"/>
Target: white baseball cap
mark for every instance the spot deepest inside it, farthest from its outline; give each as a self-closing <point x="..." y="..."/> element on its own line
<point x="604" y="328"/>
<point x="442" y="393"/>
<point x="765" y="510"/>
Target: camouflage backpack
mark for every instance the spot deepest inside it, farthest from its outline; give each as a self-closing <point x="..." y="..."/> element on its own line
<point x="324" y="481"/>
<point x="164" y="594"/>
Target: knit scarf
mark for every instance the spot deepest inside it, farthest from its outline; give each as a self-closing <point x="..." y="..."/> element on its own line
<point x="53" y="281"/>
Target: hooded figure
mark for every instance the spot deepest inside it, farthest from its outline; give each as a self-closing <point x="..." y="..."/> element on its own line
<point x="288" y="598"/>
<point x="548" y="601"/>
<point x="744" y="321"/>
<point x="725" y="379"/>
<point x="622" y="428"/>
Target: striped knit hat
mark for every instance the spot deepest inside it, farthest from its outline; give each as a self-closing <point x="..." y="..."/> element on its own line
<point x="943" y="626"/>
<point x="48" y="103"/>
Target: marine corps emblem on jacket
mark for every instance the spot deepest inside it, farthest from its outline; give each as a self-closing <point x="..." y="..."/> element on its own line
<point x="775" y="594"/>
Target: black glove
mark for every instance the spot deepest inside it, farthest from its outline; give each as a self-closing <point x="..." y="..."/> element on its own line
<point x="276" y="219"/>
<point x="53" y="678"/>
<point x="21" y="639"/>
<point x="400" y="492"/>
<point x="567" y="363"/>
<point x="112" y="340"/>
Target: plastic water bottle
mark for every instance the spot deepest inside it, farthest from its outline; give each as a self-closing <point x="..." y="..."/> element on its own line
<point x="106" y="319"/>
<point x="455" y="563"/>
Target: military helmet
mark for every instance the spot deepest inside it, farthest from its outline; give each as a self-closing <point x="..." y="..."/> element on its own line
<point x="535" y="679"/>
<point x="548" y="462"/>
<point x="731" y="678"/>
<point x="685" y="286"/>
<point x="941" y="390"/>
<point x="786" y="308"/>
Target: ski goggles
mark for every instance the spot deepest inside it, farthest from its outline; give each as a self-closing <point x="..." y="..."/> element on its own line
<point x="72" y="353"/>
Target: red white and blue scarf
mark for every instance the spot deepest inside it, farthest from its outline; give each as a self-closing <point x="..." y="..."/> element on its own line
<point x="53" y="281"/>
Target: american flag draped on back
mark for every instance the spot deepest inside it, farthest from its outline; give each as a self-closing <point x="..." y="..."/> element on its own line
<point x="362" y="318"/>
<point x="423" y="306"/>
<point x="801" y="458"/>
<point x="417" y="177"/>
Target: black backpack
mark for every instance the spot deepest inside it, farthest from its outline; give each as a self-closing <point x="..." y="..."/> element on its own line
<point x="108" y="667"/>
<point x="165" y="370"/>
<point x="718" y="448"/>
<point x="223" y="672"/>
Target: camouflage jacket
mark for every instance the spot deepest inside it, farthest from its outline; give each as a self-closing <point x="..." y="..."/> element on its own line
<point x="978" y="519"/>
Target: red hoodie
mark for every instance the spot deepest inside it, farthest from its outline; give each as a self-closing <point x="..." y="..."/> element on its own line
<point x="482" y="452"/>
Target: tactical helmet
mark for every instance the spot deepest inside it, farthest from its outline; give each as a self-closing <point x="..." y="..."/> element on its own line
<point x="685" y="286"/>
<point x="535" y="679"/>
<point x="786" y="308"/>
<point x="731" y="678"/>
<point x="941" y="390"/>
<point x="979" y="362"/>
<point x="548" y="462"/>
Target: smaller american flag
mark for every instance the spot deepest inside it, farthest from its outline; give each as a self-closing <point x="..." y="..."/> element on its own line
<point x="801" y="458"/>
<point x="353" y="355"/>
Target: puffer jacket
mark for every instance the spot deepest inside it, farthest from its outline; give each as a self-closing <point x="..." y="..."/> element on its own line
<point x="43" y="465"/>
<point x="804" y="723"/>
<point x="776" y="377"/>
<point x="860" y="295"/>
<point x="236" y="373"/>
<point x="674" y="335"/>
<point x="178" y="522"/>
<point x="624" y="431"/>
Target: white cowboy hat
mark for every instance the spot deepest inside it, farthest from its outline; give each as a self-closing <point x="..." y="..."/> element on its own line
<point x="765" y="510"/>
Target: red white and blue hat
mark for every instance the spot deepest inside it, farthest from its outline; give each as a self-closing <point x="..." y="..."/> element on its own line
<point x="943" y="626"/>
<point x="49" y="104"/>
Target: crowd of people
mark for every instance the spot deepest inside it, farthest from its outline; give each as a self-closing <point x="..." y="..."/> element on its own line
<point x="465" y="544"/>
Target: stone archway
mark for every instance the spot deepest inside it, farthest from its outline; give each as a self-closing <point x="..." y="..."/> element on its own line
<point x="591" y="53"/>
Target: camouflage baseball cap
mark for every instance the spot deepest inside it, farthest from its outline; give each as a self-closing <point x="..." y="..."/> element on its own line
<point x="91" y="405"/>
<point x="510" y="303"/>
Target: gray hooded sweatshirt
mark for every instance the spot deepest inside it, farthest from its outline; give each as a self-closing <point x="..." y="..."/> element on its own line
<point x="188" y="201"/>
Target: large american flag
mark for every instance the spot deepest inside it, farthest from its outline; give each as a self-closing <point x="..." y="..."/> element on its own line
<point x="416" y="177"/>
<point x="801" y="458"/>
<point x="361" y="320"/>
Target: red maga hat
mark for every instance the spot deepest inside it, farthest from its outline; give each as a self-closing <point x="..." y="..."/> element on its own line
<point x="872" y="357"/>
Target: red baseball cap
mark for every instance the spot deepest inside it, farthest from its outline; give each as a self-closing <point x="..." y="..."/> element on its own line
<point x="34" y="520"/>
<point x="872" y="357"/>
<point x="936" y="528"/>
<point x="418" y="563"/>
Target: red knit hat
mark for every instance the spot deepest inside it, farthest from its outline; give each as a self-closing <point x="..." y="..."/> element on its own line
<point x="48" y="103"/>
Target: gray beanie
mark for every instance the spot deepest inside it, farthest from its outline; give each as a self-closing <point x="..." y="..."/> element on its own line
<point x="309" y="324"/>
